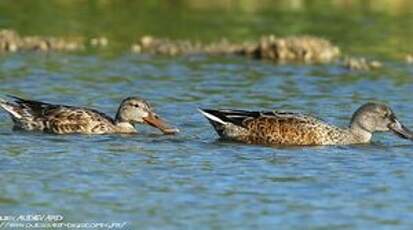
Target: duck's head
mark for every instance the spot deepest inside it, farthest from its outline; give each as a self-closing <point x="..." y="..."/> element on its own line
<point x="376" y="117"/>
<point x="135" y="110"/>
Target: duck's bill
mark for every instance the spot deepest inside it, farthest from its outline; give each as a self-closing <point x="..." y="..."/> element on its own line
<point x="401" y="130"/>
<point x="154" y="121"/>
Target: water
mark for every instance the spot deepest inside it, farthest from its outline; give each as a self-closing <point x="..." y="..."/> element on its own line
<point x="192" y="180"/>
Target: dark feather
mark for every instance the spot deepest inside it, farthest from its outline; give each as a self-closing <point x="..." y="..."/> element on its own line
<point x="38" y="108"/>
<point x="235" y="117"/>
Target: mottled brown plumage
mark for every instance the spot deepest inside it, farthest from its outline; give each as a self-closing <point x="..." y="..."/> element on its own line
<point x="62" y="119"/>
<point x="285" y="128"/>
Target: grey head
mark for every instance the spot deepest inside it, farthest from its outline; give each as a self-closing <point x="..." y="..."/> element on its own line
<point x="135" y="110"/>
<point x="376" y="117"/>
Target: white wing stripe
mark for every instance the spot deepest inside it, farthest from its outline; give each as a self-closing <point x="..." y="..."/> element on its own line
<point x="212" y="117"/>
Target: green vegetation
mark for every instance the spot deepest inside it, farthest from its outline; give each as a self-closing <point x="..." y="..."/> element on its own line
<point x="379" y="28"/>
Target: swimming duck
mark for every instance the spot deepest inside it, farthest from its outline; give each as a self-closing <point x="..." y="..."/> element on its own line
<point x="286" y="128"/>
<point x="62" y="119"/>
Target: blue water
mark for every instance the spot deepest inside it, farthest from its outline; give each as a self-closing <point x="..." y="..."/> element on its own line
<point x="192" y="180"/>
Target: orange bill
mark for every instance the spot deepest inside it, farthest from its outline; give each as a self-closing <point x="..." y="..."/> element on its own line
<point x="154" y="121"/>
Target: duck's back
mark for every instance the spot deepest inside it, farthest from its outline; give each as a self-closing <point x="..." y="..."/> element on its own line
<point x="66" y="119"/>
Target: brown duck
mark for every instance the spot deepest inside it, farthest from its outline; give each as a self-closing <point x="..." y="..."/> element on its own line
<point x="285" y="128"/>
<point x="62" y="119"/>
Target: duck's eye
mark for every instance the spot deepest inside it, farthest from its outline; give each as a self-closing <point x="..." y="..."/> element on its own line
<point x="135" y="105"/>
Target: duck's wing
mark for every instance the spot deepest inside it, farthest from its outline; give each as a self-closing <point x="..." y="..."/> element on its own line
<point x="36" y="115"/>
<point x="243" y="117"/>
<point x="78" y="120"/>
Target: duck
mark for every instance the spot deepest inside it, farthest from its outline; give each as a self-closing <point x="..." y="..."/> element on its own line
<point x="296" y="129"/>
<point x="31" y="115"/>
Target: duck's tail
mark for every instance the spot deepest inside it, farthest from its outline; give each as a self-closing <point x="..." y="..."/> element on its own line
<point x="215" y="119"/>
<point x="13" y="109"/>
<point x="212" y="115"/>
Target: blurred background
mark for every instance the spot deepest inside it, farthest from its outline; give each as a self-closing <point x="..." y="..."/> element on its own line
<point x="383" y="27"/>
